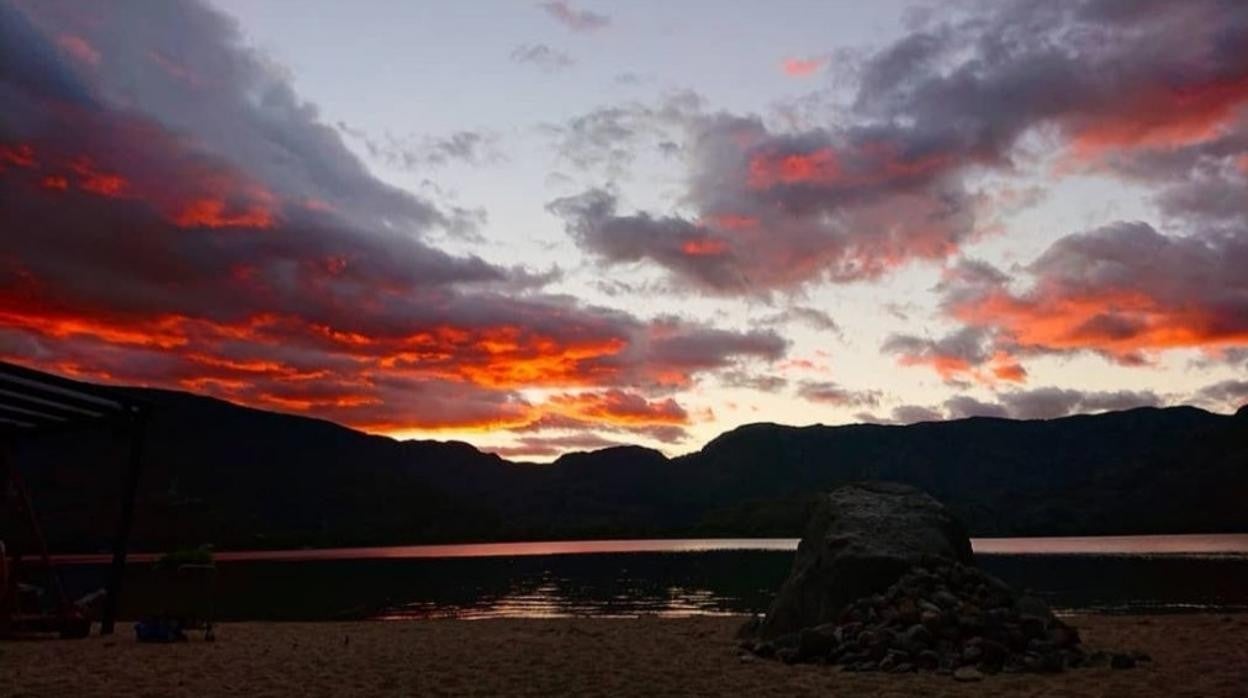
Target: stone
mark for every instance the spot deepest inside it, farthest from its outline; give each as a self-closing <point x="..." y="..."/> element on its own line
<point x="817" y="641"/>
<point x="928" y="659"/>
<point x="1027" y="605"/>
<point x="916" y="638"/>
<point x="861" y="539"/>
<point x="1121" y="661"/>
<point x="946" y="600"/>
<point x="968" y="674"/>
<point x="1062" y="635"/>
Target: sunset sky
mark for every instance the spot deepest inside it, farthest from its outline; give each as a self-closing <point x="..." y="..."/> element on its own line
<point x="552" y="226"/>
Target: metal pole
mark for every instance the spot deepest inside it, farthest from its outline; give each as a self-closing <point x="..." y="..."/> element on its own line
<point x="138" y="428"/>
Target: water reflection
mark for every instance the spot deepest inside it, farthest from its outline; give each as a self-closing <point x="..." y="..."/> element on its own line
<point x="694" y="581"/>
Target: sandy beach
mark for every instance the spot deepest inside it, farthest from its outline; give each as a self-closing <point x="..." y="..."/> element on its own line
<point x="1193" y="655"/>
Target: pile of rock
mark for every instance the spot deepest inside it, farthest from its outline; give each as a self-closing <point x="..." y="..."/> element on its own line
<point x="946" y="617"/>
<point x="884" y="580"/>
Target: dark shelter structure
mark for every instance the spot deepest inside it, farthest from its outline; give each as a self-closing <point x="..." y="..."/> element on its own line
<point x="34" y="403"/>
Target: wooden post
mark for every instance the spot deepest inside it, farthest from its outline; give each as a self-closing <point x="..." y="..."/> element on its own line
<point x="138" y="428"/>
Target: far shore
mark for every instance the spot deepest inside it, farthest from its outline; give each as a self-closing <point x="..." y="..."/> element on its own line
<point x="1193" y="655"/>
<point x="1160" y="544"/>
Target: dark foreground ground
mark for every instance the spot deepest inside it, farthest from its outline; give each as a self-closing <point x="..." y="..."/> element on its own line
<point x="1194" y="655"/>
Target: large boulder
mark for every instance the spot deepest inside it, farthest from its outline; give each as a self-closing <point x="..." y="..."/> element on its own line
<point x="861" y="538"/>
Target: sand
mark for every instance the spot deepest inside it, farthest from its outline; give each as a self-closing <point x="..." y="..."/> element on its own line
<point x="1194" y="655"/>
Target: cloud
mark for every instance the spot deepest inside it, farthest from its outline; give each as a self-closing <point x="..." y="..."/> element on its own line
<point x="420" y="154"/>
<point x="544" y="57"/>
<point x="609" y="139"/>
<point x="1124" y="291"/>
<point x="189" y="222"/>
<point x="1227" y="395"/>
<point x="752" y="381"/>
<point x="911" y="414"/>
<point x="962" y="406"/>
<point x="834" y="394"/>
<point x="965" y="353"/>
<point x="768" y="209"/>
<point x="1050" y="403"/>
<point x="547" y="446"/>
<point x="576" y="20"/>
<point x="812" y="317"/>
<point x="803" y="67"/>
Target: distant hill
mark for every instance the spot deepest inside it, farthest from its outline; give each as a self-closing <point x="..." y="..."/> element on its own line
<point x="245" y="478"/>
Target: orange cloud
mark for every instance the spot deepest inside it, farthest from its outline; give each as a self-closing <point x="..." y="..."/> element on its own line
<point x="704" y="247"/>
<point x="214" y="213"/>
<point x="1118" y="323"/>
<point x="817" y="167"/>
<point x="802" y="67"/>
<point x="617" y="407"/>
<point x="1162" y="118"/>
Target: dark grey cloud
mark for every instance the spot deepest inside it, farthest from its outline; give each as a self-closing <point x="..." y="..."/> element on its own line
<point x="696" y="251"/>
<point x="961" y="406"/>
<point x="911" y="414"/>
<point x="765" y="383"/>
<point x="421" y="154"/>
<point x="547" y="59"/>
<point x="1048" y="403"/>
<point x="831" y="393"/>
<point x="608" y="139"/>
<point x="1227" y="395"/>
<point x="812" y="317"/>
<point x="574" y="19"/>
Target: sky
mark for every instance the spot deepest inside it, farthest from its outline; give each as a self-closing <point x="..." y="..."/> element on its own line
<point x="542" y="227"/>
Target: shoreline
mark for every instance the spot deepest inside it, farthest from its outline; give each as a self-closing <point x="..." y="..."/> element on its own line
<point x="1202" y="654"/>
<point x="1168" y="544"/>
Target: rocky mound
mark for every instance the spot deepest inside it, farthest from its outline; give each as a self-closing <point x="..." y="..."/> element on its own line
<point x="860" y="539"/>
<point x="884" y="580"/>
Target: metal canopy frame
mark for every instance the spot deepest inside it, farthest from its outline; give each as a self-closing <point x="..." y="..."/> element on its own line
<point x="35" y="403"/>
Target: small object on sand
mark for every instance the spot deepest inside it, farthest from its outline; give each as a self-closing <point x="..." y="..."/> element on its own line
<point x="1122" y="661"/>
<point x="967" y="674"/>
<point x="159" y="630"/>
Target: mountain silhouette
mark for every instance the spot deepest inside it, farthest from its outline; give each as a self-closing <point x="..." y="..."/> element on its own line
<point x="239" y="477"/>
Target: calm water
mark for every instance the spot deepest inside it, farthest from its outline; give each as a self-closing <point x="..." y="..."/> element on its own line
<point x="666" y="577"/>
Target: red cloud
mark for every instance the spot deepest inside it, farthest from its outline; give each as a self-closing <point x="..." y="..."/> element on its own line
<point x="816" y="167"/>
<point x="1123" y="291"/>
<point x="79" y="49"/>
<point x="802" y="67"/>
<point x="701" y="247"/>
<point x="1161" y="117"/>
<point x="167" y="247"/>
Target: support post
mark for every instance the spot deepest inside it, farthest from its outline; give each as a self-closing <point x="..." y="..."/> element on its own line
<point x="138" y="429"/>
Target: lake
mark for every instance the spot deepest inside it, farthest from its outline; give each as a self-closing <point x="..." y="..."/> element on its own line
<point x="662" y="577"/>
